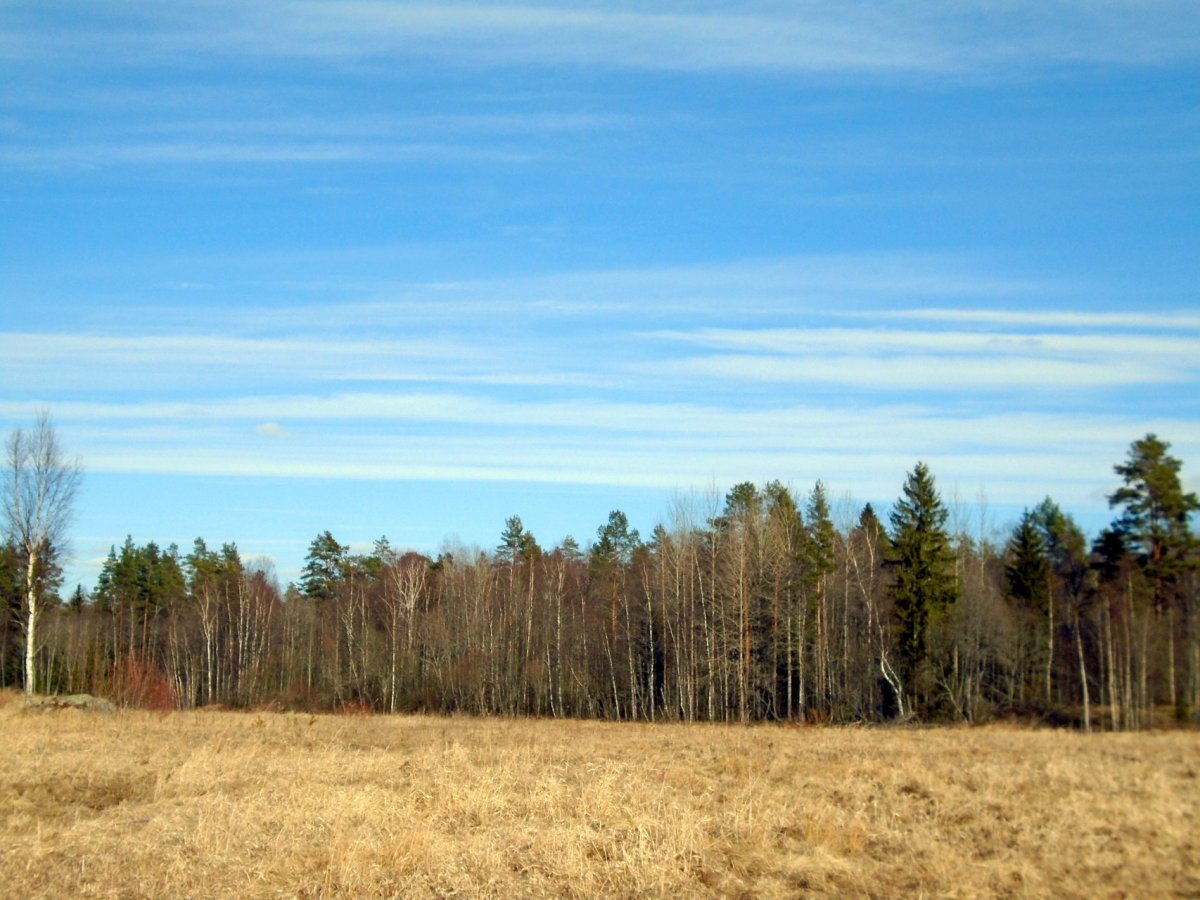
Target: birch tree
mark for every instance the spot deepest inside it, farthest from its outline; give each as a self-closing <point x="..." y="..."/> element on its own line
<point x="40" y="484"/>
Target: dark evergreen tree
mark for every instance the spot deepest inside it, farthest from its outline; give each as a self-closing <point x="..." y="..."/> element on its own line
<point x="324" y="567"/>
<point x="1027" y="569"/>
<point x="1066" y="547"/>
<point x="516" y="542"/>
<point x="570" y="549"/>
<point x="822" y="537"/>
<point x="1156" y="525"/>
<point x="1027" y="576"/>
<point x="615" y="540"/>
<point x="11" y="598"/>
<point x="922" y="564"/>
<point x="1156" y="514"/>
<point x="869" y="524"/>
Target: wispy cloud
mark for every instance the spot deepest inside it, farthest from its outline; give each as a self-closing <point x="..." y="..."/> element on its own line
<point x="136" y="153"/>
<point x="940" y="374"/>
<point x="945" y="361"/>
<point x="886" y="340"/>
<point x="719" y="425"/>
<point x="94" y="359"/>
<point x="1159" y="320"/>
<point x="1018" y="456"/>
<point x="772" y="36"/>
<point x="641" y="378"/>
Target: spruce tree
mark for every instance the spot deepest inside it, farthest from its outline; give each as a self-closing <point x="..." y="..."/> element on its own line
<point x="822" y="536"/>
<point x="922" y="564"/>
<point x="1027" y="574"/>
<point x="1027" y="570"/>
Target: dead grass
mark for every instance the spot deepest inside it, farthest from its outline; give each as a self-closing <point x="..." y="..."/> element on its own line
<point x="260" y="805"/>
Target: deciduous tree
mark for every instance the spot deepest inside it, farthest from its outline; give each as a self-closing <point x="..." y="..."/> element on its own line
<point x="40" y="483"/>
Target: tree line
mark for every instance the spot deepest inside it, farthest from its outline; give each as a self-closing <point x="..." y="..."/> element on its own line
<point x="758" y="608"/>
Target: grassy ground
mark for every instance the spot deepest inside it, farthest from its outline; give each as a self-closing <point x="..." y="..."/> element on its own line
<point x="242" y="804"/>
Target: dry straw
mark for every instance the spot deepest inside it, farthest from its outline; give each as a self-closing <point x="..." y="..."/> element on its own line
<point x="208" y="804"/>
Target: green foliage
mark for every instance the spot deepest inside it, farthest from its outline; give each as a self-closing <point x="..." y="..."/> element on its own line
<point x="570" y="548"/>
<point x="516" y="543"/>
<point x="764" y="611"/>
<point x="785" y="524"/>
<point x="12" y="597"/>
<point x="869" y="524"/>
<point x="1027" y="569"/>
<point x="615" y="540"/>
<point x="922" y="565"/>
<point x="1156" y="513"/>
<point x="1110" y="554"/>
<point x="1065" y="544"/>
<point x="743" y="503"/>
<point x="822" y="537"/>
<point x="324" y="568"/>
<point x="210" y="569"/>
<point x="140" y="580"/>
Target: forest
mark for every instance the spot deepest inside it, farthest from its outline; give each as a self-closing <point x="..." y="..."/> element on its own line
<point x="760" y="608"/>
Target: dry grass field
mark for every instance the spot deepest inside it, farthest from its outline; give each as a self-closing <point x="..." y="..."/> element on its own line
<point x="211" y="804"/>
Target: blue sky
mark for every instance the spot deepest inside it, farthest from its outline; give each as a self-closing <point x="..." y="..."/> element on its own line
<point x="408" y="269"/>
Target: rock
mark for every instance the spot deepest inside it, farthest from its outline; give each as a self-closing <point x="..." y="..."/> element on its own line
<point x="74" y="701"/>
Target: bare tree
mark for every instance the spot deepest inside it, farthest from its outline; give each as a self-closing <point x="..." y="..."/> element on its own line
<point x="39" y="491"/>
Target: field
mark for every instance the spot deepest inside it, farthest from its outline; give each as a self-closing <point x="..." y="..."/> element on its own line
<point x="214" y="803"/>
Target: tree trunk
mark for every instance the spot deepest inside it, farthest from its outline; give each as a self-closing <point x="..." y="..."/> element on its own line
<point x="31" y="622"/>
<point x="1083" y="683"/>
<point x="1049" y="647"/>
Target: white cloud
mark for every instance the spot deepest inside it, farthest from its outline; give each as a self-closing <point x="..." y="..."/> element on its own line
<point x="38" y="360"/>
<point x="1164" y="321"/>
<point x="945" y="373"/>
<point x="271" y="430"/>
<point x="948" y="361"/>
<point x="890" y="341"/>
<point x="793" y="36"/>
<point x="139" y="153"/>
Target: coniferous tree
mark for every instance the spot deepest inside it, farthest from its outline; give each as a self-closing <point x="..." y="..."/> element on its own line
<point x="1156" y="513"/>
<point x="1156" y="523"/>
<point x="1027" y="570"/>
<point x="818" y="563"/>
<point x="570" y="549"/>
<point x="1067" y="553"/>
<point x="1027" y="576"/>
<point x="514" y="541"/>
<point x="615" y="540"/>
<point x="324" y="567"/>
<point x="922" y="565"/>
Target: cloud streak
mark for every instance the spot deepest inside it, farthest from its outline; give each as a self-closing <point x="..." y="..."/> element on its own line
<point x="1156" y="321"/>
<point x="798" y="37"/>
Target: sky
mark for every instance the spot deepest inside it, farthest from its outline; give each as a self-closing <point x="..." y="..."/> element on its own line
<point x="408" y="269"/>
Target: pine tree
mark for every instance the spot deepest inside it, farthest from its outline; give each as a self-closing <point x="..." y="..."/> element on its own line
<point x="615" y="540"/>
<point x="1156" y="518"/>
<point x="513" y="541"/>
<point x="324" y="567"/>
<point x="1156" y="525"/>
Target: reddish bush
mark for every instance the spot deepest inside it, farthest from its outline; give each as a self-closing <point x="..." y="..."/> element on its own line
<point x="139" y="684"/>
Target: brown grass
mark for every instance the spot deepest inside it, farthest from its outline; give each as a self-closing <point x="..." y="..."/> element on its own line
<point x="243" y="804"/>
